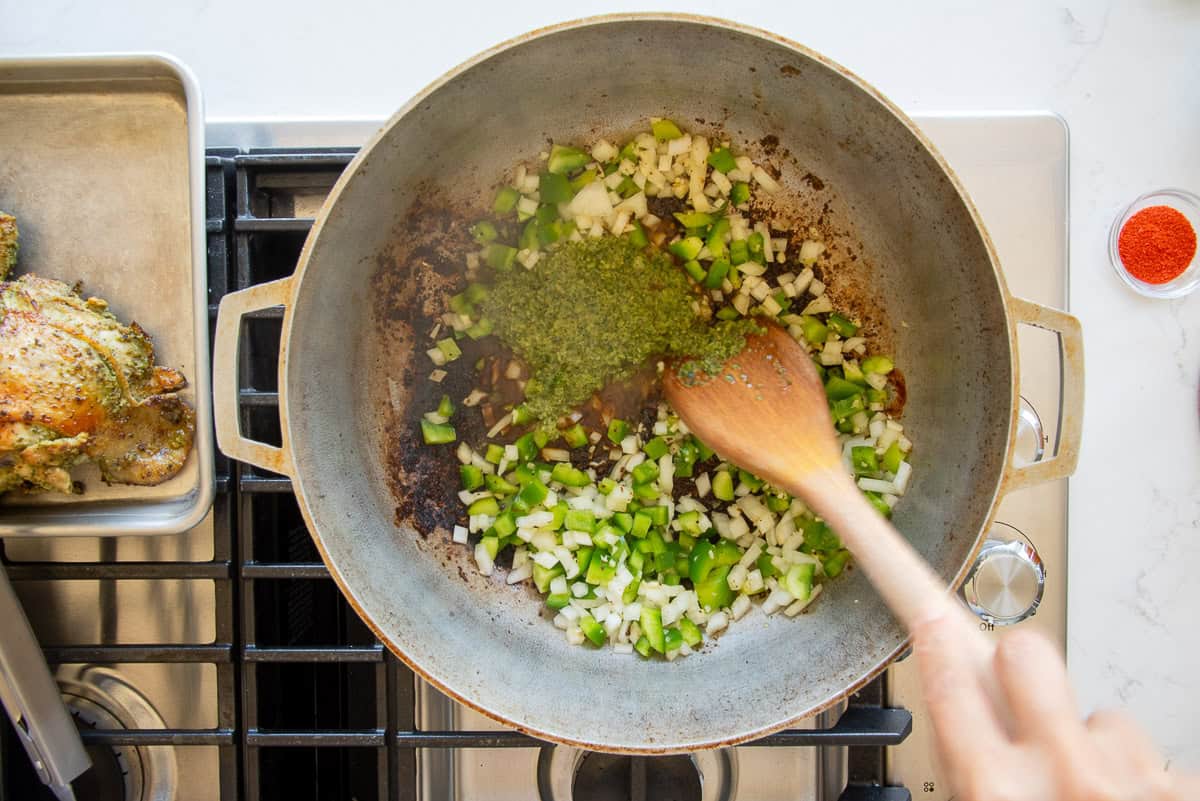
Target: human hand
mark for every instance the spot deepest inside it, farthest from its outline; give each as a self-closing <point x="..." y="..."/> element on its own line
<point x="1035" y="746"/>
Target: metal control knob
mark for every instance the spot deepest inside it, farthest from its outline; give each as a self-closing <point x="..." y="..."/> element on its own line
<point x="1006" y="582"/>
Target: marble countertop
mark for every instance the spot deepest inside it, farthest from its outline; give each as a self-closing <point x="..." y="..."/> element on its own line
<point x="1123" y="75"/>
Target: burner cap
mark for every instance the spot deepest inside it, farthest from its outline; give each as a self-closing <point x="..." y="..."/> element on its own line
<point x="613" y="777"/>
<point x="569" y="774"/>
<point x="100" y="698"/>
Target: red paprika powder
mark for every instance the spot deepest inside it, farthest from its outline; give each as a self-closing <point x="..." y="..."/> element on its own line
<point x="1157" y="244"/>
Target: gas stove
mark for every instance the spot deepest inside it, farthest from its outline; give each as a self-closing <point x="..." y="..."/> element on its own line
<point x="222" y="663"/>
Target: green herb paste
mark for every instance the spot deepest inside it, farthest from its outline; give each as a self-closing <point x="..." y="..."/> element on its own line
<point x="595" y="310"/>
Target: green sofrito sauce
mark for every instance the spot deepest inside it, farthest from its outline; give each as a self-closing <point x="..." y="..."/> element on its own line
<point x="595" y="310"/>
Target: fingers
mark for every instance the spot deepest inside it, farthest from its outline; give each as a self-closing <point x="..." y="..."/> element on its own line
<point x="1116" y="735"/>
<point x="962" y="715"/>
<point x="1034" y="683"/>
<point x="1125" y="746"/>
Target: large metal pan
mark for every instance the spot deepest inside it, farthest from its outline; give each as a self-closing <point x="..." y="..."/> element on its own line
<point x="913" y="255"/>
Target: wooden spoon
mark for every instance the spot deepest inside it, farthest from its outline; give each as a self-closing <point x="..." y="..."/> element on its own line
<point x="766" y="411"/>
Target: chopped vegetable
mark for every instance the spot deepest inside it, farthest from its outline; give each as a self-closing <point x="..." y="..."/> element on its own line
<point x="636" y="533"/>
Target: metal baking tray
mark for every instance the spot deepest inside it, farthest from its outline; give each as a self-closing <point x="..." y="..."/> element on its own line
<point x="102" y="163"/>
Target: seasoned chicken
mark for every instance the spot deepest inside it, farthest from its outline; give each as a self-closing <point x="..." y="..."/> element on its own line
<point x="76" y="384"/>
<point x="9" y="244"/>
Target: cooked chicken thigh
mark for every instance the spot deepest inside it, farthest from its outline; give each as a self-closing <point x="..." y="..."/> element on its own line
<point x="9" y="244"/>
<point x="77" y="384"/>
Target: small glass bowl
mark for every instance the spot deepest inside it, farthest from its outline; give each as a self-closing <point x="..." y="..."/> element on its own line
<point x="1186" y="204"/>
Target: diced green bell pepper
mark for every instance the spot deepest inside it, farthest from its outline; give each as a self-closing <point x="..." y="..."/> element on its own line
<point x="506" y="523"/>
<point x="722" y="485"/>
<point x="739" y="252"/>
<point x="500" y="257"/>
<point x="695" y="219"/>
<point x="689" y="522"/>
<point x="491" y="545"/>
<point x="799" y="579"/>
<point x="575" y="436"/>
<point x="565" y="159"/>
<point x="645" y="492"/>
<point x="740" y="193"/>
<point x="645" y="472"/>
<point x="695" y="270"/>
<point x="687" y="248"/>
<point x="529" y="236"/>
<point x="685" y="459"/>
<point x="892" y="458"/>
<point x="880" y="365"/>
<point x="637" y="235"/>
<point x="542" y="576"/>
<point x="498" y="485"/>
<point x="841" y="409"/>
<point x="569" y="476"/>
<point x="690" y="631"/>
<point x="532" y="493"/>
<point x="506" y="200"/>
<point x="652" y="628"/>
<point x="656" y="448"/>
<point x="437" y="433"/>
<point x="766" y="566"/>
<point x="583" y="558"/>
<point x="716" y="274"/>
<point x="843" y="326"/>
<point x="484" y="506"/>
<point x="672" y="639"/>
<point x="449" y="349"/>
<point x="641" y="524"/>
<point x="643" y="647"/>
<point x="853" y="373"/>
<point x="755" y="243"/>
<point x="470" y="476"/>
<point x="818" y="536"/>
<point x="778" y="503"/>
<point x="713" y="592"/>
<point x="750" y="480"/>
<point x="836" y="563"/>
<point x="722" y="160"/>
<point x="815" y="331"/>
<point x="592" y="630"/>
<point x="601" y="569"/>
<point x="553" y="188"/>
<point x="879" y="503"/>
<point x="580" y="520"/>
<point x="658" y="515"/>
<point x="617" y="430"/>
<point x="484" y="231"/>
<point x="664" y="131"/>
<point x="863" y="458"/>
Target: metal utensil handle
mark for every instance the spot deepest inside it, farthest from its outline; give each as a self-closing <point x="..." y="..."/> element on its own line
<point x="31" y="696"/>
<point x="1062" y="464"/>
<point x="226" y="383"/>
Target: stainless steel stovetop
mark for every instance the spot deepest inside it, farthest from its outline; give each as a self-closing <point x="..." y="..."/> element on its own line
<point x="1014" y="166"/>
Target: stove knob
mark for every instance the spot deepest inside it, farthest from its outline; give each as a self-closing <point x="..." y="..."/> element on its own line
<point x="1006" y="582"/>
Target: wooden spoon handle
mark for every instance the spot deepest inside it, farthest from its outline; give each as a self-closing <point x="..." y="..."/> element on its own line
<point x="906" y="582"/>
<point x="903" y="578"/>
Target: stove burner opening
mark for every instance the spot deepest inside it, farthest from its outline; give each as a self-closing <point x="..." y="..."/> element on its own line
<point x="612" y="777"/>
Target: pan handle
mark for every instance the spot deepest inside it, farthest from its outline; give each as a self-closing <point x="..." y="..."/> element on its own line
<point x="1062" y="464"/>
<point x="226" y="376"/>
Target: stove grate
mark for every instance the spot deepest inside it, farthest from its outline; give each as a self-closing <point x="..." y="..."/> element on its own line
<point x="311" y="705"/>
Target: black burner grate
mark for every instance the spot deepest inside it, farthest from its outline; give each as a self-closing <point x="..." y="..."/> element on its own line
<point x="311" y="705"/>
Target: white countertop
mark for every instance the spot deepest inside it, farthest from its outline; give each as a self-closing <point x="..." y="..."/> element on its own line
<point x="1125" y="79"/>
